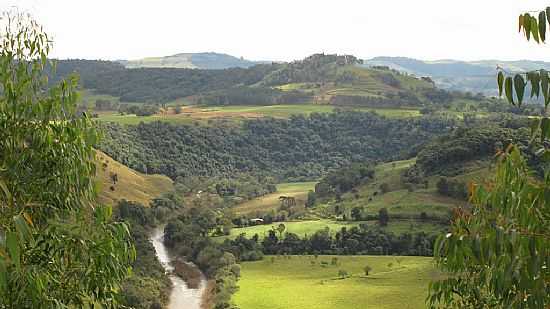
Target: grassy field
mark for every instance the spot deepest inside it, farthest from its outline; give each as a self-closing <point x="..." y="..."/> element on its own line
<point x="301" y="282"/>
<point x="268" y="202"/>
<point x="190" y="114"/>
<point x="309" y="227"/>
<point x="131" y="185"/>
<point x="400" y="199"/>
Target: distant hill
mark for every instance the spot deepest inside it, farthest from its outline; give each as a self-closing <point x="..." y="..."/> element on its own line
<point x="473" y="76"/>
<point x="213" y="61"/>
<point x="130" y="185"/>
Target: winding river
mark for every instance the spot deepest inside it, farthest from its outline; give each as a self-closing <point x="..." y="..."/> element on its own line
<point x="181" y="297"/>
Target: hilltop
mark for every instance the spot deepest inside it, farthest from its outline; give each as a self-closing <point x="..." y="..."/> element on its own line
<point x="129" y="185"/>
<point x="209" y="60"/>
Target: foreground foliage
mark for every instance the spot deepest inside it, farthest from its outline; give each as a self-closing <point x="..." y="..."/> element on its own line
<point x="498" y="253"/>
<point x="58" y="249"/>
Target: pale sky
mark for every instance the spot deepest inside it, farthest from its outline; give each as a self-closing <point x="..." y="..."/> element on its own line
<point x="286" y="29"/>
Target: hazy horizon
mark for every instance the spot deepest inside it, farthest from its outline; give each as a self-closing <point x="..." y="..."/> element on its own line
<point x="285" y="30"/>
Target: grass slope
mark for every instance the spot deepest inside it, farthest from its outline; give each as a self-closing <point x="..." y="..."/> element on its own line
<point x="400" y="199"/>
<point x="268" y="202"/>
<point x="131" y="185"/>
<point x="297" y="283"/>
<point x="309" y="227"/>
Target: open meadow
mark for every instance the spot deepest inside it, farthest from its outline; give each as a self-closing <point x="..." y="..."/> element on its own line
<point x="308" y="227"/>
<point x="304" y="282"/>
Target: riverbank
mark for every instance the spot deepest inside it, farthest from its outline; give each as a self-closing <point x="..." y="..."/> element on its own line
<point x="183" y="294"/>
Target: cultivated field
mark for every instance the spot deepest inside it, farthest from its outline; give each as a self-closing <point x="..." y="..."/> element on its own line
<point x="303" y="282"/>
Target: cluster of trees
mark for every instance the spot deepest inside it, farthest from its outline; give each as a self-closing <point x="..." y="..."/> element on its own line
<point x="343" y="180"/>
<point x="353" y="241"/>
<point x="232" y="189"/>
<point x="302" y="147"/>
<point x="315" y="68"/>
<point x="448" y="153"/>
<point x="138" y="110"/>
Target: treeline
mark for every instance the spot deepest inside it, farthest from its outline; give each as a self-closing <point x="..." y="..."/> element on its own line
<point x="253" y="96"/>
<point x="445" y="155"/>
<point x="353" y="241"/>
<point x="300" y="148"/>
<point x="156" y="85"/>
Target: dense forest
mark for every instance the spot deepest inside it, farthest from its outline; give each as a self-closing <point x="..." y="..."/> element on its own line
<point x="299" y="148"/>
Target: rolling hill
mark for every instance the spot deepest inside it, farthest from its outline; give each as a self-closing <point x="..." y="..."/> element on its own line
<point x="214" y="61"/>
<point x="472" y="76"/>
<point x="130" y="185"/>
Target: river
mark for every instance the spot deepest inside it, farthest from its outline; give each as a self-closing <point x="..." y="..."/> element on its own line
<point x="181" y="297"/>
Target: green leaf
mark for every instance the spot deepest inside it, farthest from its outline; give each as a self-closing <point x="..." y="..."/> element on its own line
<point x="542" y="26"/>
<point x="544" y="81"/>
<point x="534" y="79"/>
<point x="13" y="248"/>
<point x="4" y="189"/>
<point x="527" y="25"/>
<point x="508" y="90"/>
<point x="500" y="81"/>
<point x="519" y="85"/>
<point x="535" y="29"/>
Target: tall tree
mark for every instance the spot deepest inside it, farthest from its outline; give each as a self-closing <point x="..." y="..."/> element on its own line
<point x="497" y="254"/>
<point x="58" y="248"/>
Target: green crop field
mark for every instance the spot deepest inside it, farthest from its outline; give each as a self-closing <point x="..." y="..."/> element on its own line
<point x="268" y="202"/>
<point x="303" y="282"/>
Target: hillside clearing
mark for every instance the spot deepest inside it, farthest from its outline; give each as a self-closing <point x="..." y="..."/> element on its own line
<point x="130" y="185"/>
<point x="268" y="202"/>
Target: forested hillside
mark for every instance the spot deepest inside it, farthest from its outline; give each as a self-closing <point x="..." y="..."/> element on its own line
<point x="319" y="79"/>
<point x="298" y="148"/>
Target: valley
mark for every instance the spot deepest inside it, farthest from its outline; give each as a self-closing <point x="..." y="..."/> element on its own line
<point x="277" y="199"/>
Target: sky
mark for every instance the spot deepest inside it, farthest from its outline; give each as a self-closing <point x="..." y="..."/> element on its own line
<point x="285" y="30"/>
